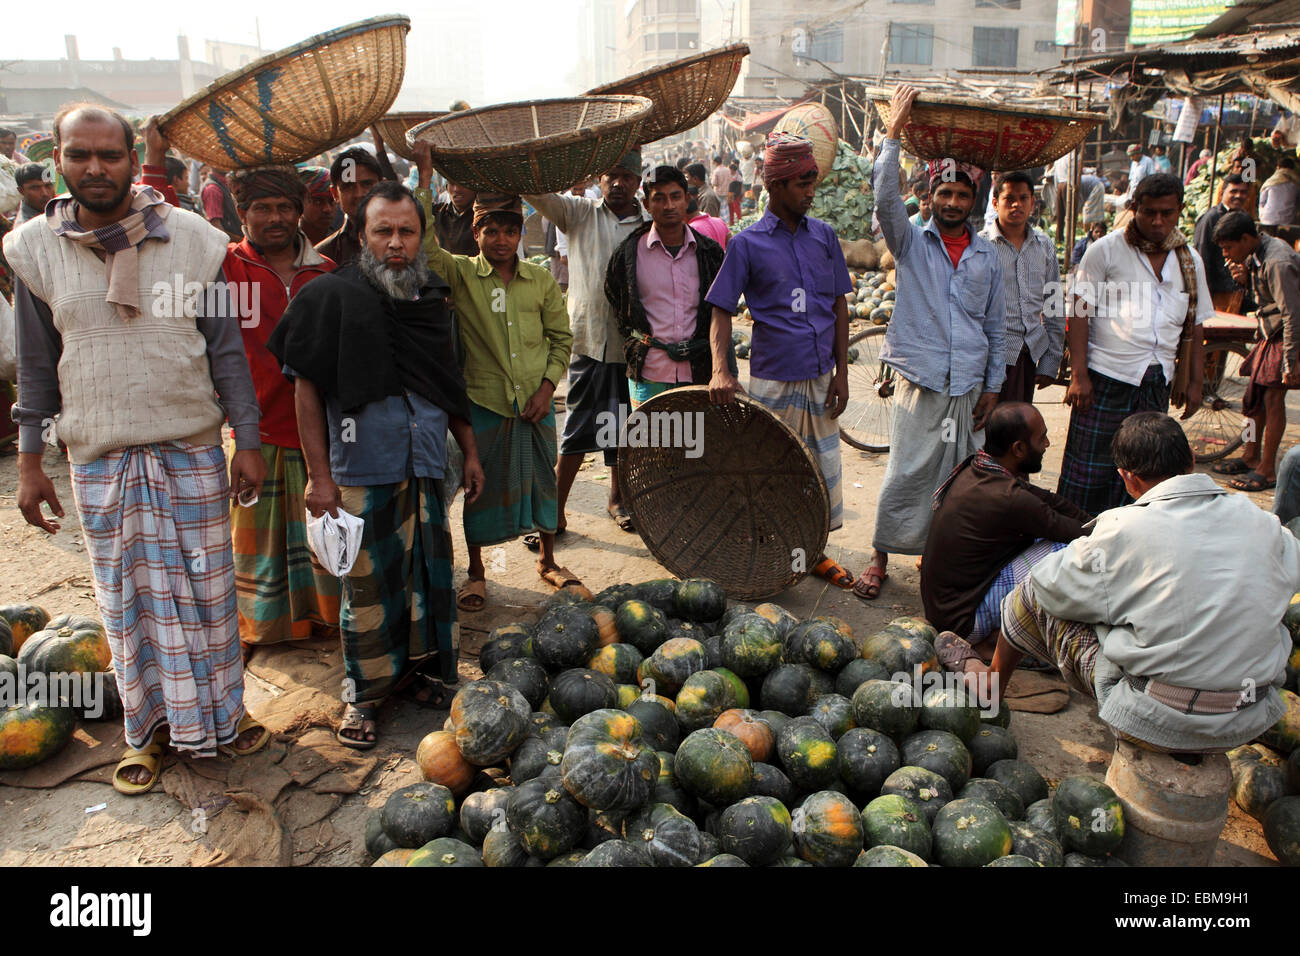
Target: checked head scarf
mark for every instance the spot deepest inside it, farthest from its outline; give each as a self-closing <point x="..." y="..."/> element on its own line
<point x="787" y="156"/>
<point x="267" y="182"/>
<point x="119" y="241"/>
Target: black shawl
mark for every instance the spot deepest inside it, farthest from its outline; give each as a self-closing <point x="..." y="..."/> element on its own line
<point x="356" y="343"/>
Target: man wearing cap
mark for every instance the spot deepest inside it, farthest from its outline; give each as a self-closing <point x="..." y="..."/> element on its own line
<point x="946" y="341"/>
<point x="514" y="331"/>
<point x="284" y="594"/>
<point x="593" y="229"/>
<point x="36" y="187"/>
<point x="318" y="206"/>
<point x="1139" y="167"/>
<point x="791" y="271"/>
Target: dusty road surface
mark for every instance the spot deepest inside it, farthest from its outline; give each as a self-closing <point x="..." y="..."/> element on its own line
<point x="89" y="823"/>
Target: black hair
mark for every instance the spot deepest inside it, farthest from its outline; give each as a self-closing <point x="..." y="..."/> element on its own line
<point x="357" y="156"/>
<point x="5" y="131"/>
<point x="1233" y="179"/>
<point x="1285" y="162"/>
<point x="692" y="204"/>
<point x="1007" y="424"/>
<point x="1233" y="226"/>
<point x="175" y="167"/>
<point x="697" y="170"/>
<point x="502" y="218"/>
<point x="682" y="162"/>
<point x="390" y="191"/>
<point x="663" y="176"/>
<point x="100" y="112"/>
<point x="1156" y="186"/>
<point x="31" y="173"/>
<point x="1151" y="445"/>
<point x="1015" y="176"/>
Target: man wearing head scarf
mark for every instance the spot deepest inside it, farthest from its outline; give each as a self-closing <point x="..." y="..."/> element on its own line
<point x="514" y="330"/>
<point x="319" y="204"/>
<point x="134" y="372"/>
<point x="284" y="594"/>
<point x="946" y="342"/>
<point x="593" y="229"/>
<point x="791" y="271"/>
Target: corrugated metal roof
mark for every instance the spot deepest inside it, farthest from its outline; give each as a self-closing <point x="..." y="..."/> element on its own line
<point x="1242" y="44"/>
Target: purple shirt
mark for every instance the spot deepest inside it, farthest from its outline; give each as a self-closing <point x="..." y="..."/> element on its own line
<point x="790" y="282"/>
<point x="669" y="288"/>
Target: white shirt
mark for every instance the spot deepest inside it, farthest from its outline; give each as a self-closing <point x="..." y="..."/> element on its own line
<point x="1289" y="127"/>
<point x="1139" y="169"/>
<point x="1136" y="318"/>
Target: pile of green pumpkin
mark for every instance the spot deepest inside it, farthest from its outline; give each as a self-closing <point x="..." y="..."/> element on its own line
<point x="624" y="730"/>
<point x="873" y="298"/>
<point x="31" y="643"/>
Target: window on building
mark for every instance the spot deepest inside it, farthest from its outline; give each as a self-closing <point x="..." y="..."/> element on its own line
<point x="668" y="41"/>
<point x="911" y="43"/>
<point x="995" y="46"/>
<point x="826" y="42"/>
<point x="1004" y="4"/>
<point x="648" y="43"/>
<point x="688" y="41"/>
<point x="1044" y="46"/>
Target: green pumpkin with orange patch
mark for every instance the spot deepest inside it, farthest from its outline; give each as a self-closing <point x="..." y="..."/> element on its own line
<point x="807" y="753"/>
<point x="30" y="733"/>
<point x="23" y="621"/>
<point x="68" y="645"/>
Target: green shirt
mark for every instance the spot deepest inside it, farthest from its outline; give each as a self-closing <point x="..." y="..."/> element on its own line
<point x="513" y="335"/>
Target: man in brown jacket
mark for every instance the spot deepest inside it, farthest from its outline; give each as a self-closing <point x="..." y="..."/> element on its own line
<point x="990" y="525"/>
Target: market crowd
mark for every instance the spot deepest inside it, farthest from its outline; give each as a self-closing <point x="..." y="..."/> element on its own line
<point x="375" y="342"/>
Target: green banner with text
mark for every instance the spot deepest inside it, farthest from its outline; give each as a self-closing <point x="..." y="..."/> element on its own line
<point x="1160" y="21"/>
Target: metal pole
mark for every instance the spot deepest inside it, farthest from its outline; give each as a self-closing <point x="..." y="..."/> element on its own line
<point x="1214" y="153"/>
<point x="1076" y="165"/>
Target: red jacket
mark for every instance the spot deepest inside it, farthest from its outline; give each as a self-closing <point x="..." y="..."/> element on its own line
<point x="261" y="299"/>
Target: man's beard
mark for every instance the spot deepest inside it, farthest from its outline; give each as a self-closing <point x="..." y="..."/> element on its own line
<point x="401" y="283"/>
<point x="100" y="206"/>
<point x="1032" y="466"/>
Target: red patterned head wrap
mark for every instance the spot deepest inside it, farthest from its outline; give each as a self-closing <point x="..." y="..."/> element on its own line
<point x="952" y="171"/>
<point x="787" y="156"/>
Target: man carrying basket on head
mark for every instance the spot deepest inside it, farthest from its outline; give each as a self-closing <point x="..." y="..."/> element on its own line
<point x="791" y="271"/>
<point x="947" y="341"/>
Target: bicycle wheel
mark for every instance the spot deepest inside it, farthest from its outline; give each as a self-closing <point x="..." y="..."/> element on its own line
<point x="865" y="422"/>
<point x="1215" y="431"/>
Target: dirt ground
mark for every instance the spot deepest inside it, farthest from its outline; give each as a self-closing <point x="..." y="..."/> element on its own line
<point x="91" y="824"/>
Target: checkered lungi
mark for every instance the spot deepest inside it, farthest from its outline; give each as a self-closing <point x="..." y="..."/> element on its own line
<point x="1088" y="475"/>
<point x="1070" y="645"/>
<point x="519" y="491"/>
<point x="802" y="406"/>
<point x="157" y="524"/>
<point x="399" y="607"/>
<point x="284" y="593"/>
<point x="988" y="616"/>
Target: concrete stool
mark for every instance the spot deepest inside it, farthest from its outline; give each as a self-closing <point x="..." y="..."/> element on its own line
<point x="1173" y="810"/>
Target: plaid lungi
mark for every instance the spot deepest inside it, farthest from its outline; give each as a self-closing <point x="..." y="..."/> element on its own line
<point x="399" y="608"/>
<point x="1263" y="370"/>
<point x="157" y="524"/>
<point x="988" y="616"/>
<point x="284" y="593"/>
<point x="802" y="406"/>
<point x="1071" y="645"/>
<point x="519" y="493"/>
<point x="1088" y="475"/>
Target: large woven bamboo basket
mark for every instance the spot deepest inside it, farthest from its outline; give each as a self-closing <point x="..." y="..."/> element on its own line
<point x="991" y="137"/>
<point x="394" y="126"/>
<point x="751" y="511"/>
<point x="292" y="105"/>
<point x="685" y="92"/>
<point x="542" y="146"/>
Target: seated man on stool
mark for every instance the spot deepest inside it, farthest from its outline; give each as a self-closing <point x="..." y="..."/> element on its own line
<point x="1154" y="614"/>
<point x="990" y="526"/>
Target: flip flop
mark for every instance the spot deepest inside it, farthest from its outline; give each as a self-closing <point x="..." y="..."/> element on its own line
<point x="354" y="718"/>
<point x="533" y="540"/>
<point x="623" y="518"/>
<point x="246" y="723"/>
<point x="867" y="586"/>
<point x="834" y="573"/>
<point x="1233" y="466"/>
<point x="559" y="578"/>
<point x="439" y="695"/>
<point x="472" y="588"/>
<point x="1252" y="481"/>
<point x="150" y="757"/>
<point x="953" y="651"/>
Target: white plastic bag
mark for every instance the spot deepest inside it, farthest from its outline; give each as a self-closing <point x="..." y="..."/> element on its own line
<point x="335" y="541"/>
<point x="8" y="347"/>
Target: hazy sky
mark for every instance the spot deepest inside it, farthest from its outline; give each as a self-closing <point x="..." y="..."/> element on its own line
<point x="541" y="34"/>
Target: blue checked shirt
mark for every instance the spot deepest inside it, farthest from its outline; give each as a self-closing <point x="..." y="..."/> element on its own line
<point x="948" y="331"/>
<point x="1035" y="313"/>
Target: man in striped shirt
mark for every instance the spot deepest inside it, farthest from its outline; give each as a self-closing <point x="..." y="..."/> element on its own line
<point x="1031" y="280"/>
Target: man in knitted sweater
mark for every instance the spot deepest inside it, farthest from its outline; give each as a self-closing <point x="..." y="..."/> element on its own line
<point x="113" y="341"/>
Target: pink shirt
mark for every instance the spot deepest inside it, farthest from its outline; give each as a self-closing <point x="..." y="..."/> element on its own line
<point x="713" y="227"/>
<point x="669" y="287"/>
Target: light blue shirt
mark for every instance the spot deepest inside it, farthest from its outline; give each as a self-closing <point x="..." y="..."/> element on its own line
<point x="948" y="331"/>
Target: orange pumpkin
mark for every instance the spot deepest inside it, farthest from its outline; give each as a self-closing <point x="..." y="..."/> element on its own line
<point x="440" y="761"/>
<point x="604" y="619"/>
<point x="756" y="734"/>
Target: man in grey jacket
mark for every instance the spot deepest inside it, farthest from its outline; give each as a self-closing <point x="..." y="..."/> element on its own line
<point x="1153" y="613"/>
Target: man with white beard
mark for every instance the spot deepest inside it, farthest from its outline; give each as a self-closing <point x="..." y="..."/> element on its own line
<point x="371" y="349"/>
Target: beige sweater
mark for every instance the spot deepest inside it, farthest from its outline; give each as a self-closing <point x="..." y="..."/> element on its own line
<point x="131" y="382"/>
